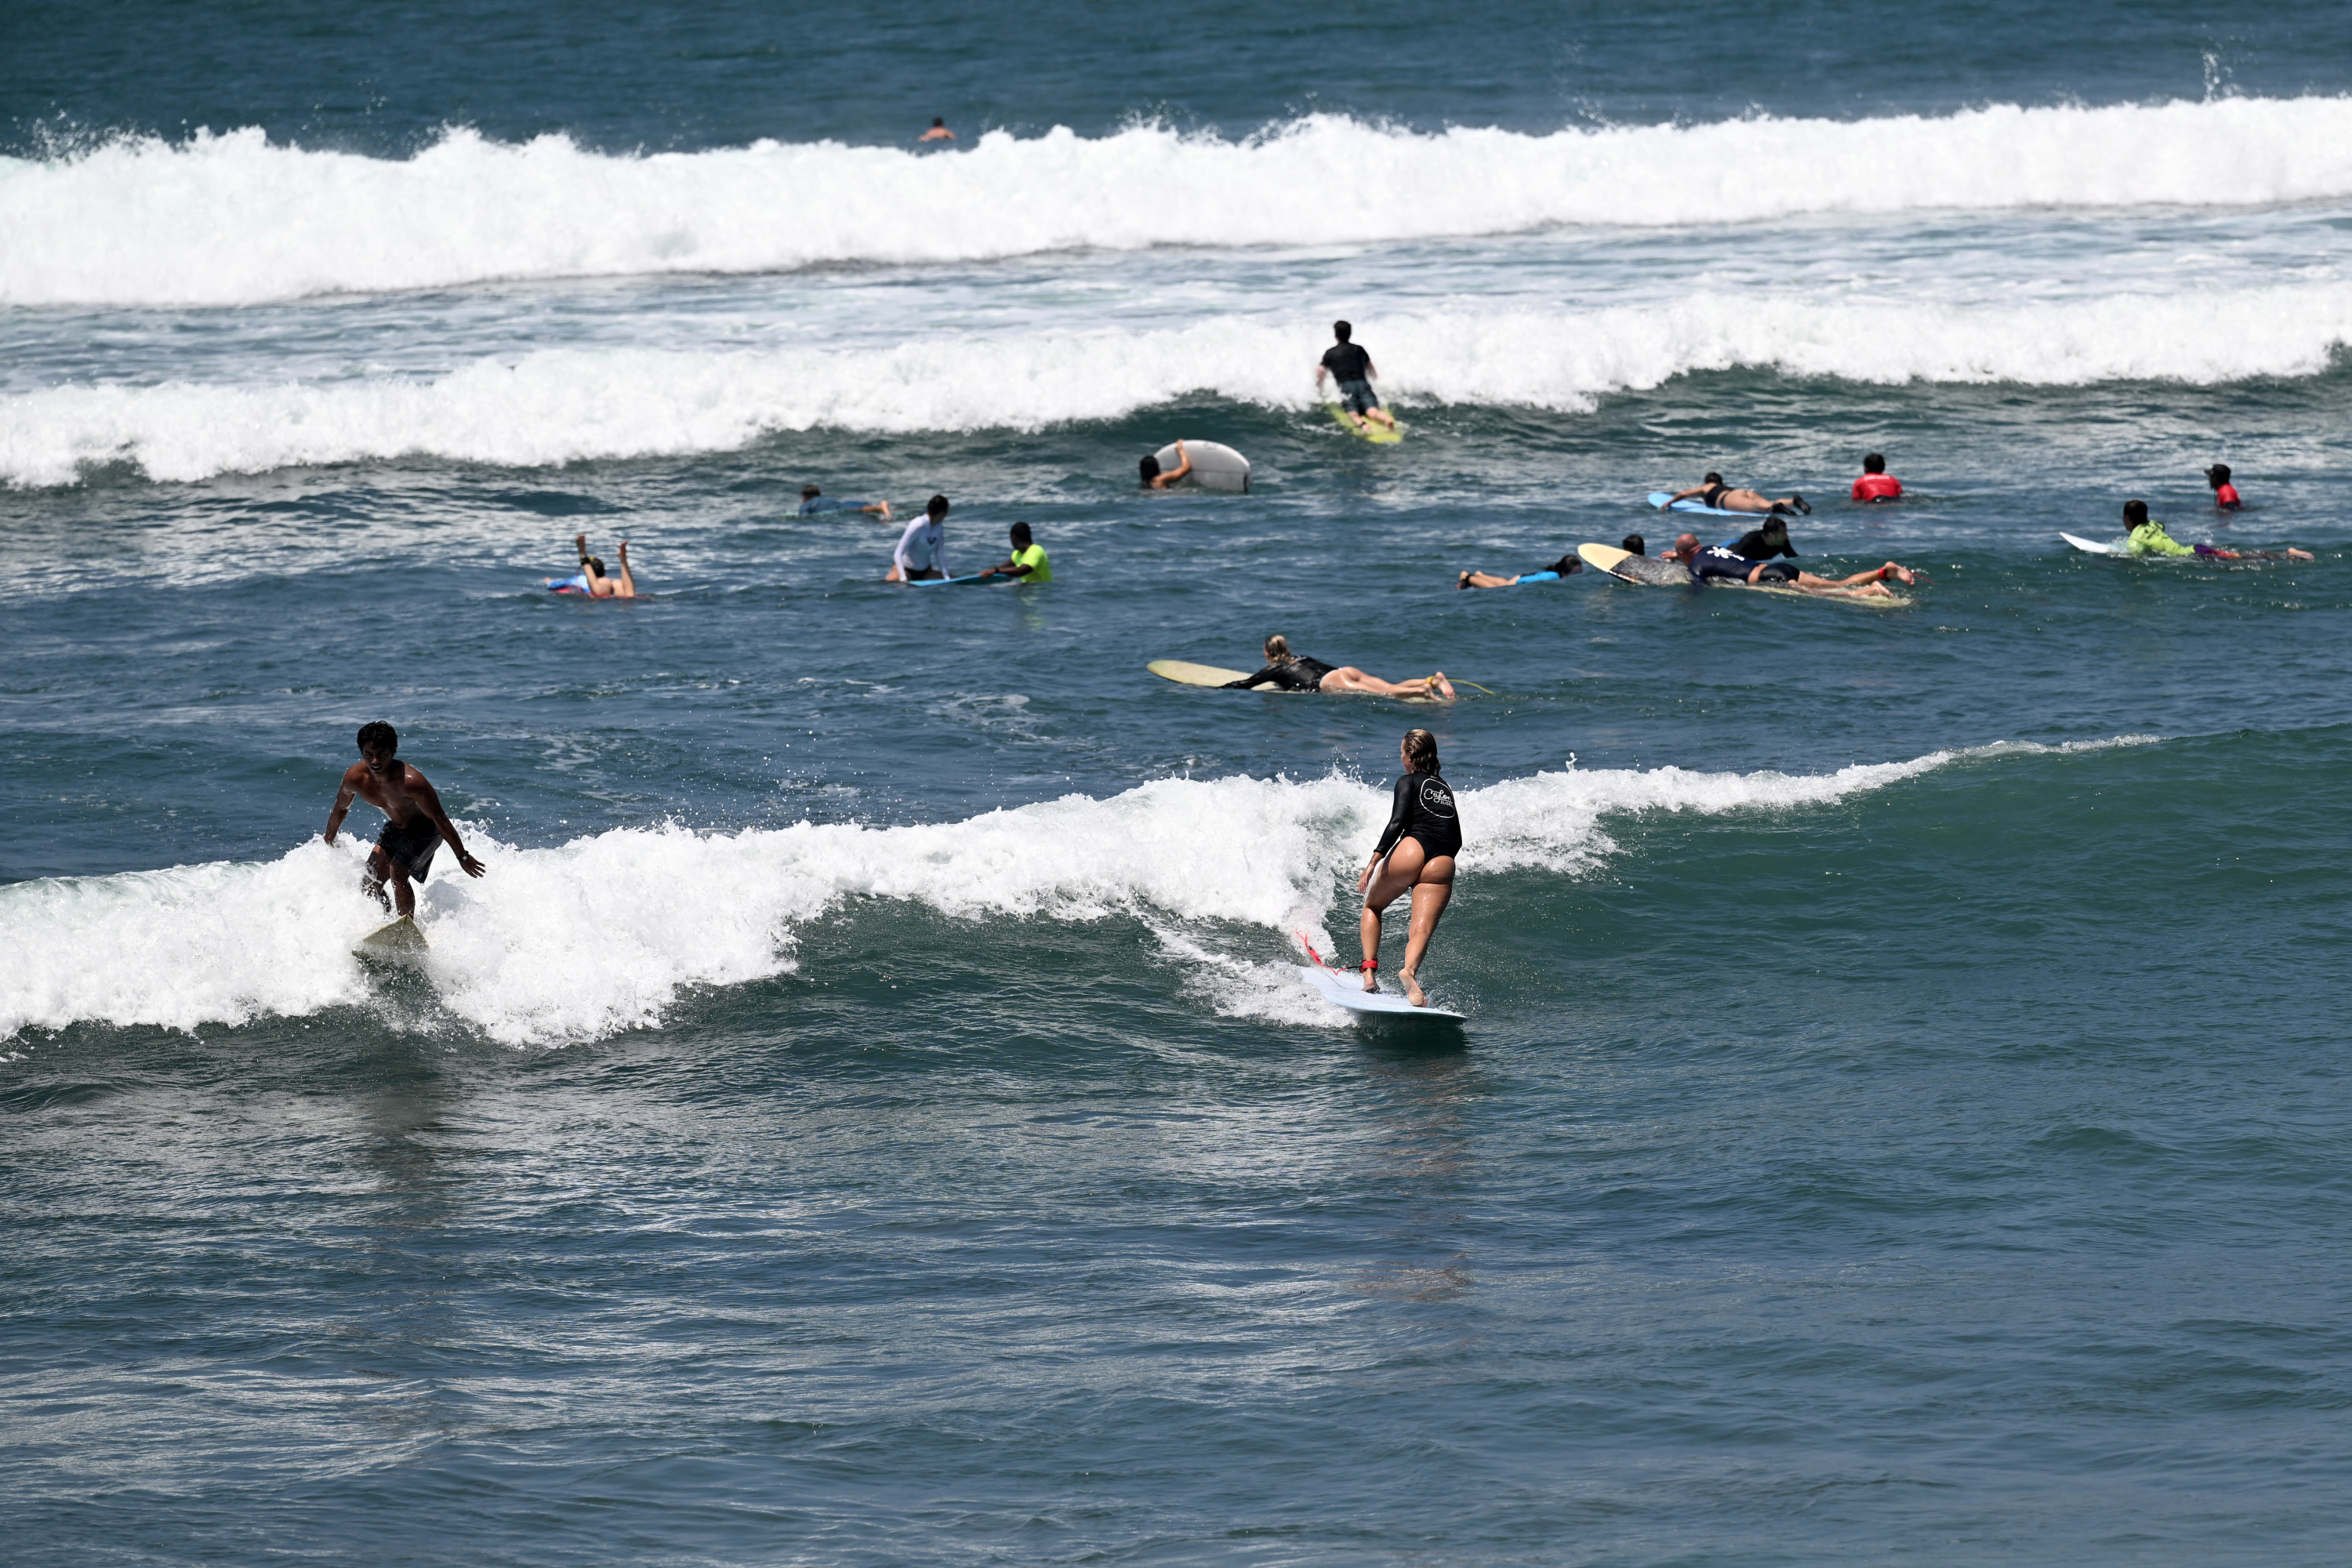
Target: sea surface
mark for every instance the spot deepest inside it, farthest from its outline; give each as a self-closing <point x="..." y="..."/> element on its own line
<point x="869" y="1113"/>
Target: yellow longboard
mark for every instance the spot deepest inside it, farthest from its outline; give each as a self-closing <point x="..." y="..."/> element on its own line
<point x="1377" y="435"/>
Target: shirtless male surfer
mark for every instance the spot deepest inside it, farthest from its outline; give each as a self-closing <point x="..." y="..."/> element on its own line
<point x="414" y="823"/>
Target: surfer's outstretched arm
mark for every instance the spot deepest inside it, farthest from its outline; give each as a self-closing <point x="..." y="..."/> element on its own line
<point x="428" y="801"/>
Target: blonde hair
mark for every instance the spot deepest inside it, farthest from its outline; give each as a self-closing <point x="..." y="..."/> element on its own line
<point x="1420" y="750"/>
<point x="1277" y="650"/>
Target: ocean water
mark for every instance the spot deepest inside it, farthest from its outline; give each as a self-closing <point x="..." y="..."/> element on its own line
<point x="866" y="1113"/>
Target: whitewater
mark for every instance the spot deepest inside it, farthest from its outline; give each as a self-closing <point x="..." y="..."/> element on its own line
<point x="234" y="218"/>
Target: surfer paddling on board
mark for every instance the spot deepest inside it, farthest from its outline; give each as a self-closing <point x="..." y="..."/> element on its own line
<point x="1348" y="364"/>
<point x="814" y="502"/>
<point x="1710" y="563"/>
<point x="1293" y="672"/>
<point x="2149" y="538"/>
<point x="922" y="548"/>
<point x="1416" y="851"/>
<point x="1567" y="565"/>
<point x="414" y="823"/>
<point x="1711" y="491"/>
<point x="592" y="579"/>
<point x="1153" y="480"/>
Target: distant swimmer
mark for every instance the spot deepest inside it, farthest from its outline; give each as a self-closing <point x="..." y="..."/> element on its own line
<point x="1567" y="565"/>
<point x="591" y="579"/>
<point x="1028" y="562"/>
<point x="1714" y="562"/>
<point x="1634" y="544"/>
<point x="814" y="502"/>
<point x="2225" y="494"/>
<point x="1293" y="673"/>
<point x="922" y="548"/>
<point x="1153" y="480"/>
<point x="1877" y="484"/>
<point x="1712" y="491"/>
<point x="1348" y="364"/>
<point x="414" y="826"/>
<point x="1417" y="847"/>
<point x="939" y="130"/>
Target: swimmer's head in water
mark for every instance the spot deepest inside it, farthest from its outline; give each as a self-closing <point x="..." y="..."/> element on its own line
<point x="1712" y="479"/>
<point x="1277" y="649"/>
<point x="939" y="120"/>
<point x="936" y="508"/>
<point x="1874" y="464"/>
<point x="1420" y="750"/>
<point x="380" y="738"/>
<point x="1342" y="330"/>
<point x="1021" y="536"/>
<point x="1775" y="527"/>
<point x="1634" y="544"/>
<point x="2134" y="513"/>
<point x="810" y="492"/>
<point x="1150" y="466"/>
<point x="2218" y="475"/>
<point x="1685" y="544"/>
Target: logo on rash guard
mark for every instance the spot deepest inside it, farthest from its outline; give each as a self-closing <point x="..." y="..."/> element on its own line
<point x="1437" y="799"/>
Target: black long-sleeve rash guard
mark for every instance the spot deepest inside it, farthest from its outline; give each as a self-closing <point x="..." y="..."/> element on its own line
<point x="1424" y="810"/>
<point x="1291" y="675"/>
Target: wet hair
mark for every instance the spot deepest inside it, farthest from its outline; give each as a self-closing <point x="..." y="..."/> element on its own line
<point x="1277" y="650"/>
<point x="939" y="120"/>
<point x="2135" y="513"/>
<point x="936" y="507"/>
<point x="1777" y="523"/>
<point x="1634" y="544"/>
<point x="808" y="490"/>
<point x="378" y="735"/>
<point x="1874" y="464"/>
<point x="1021" y="533"/>
<point x="1567" y="565"/>
<point x="2218" y="475"/>
<point x="1712" y="479"/>
<point x="1342" y="330"/>
<point x="596" y="563"/>
<point x="1150" y="466"/>
<point x="1420" y="750"/>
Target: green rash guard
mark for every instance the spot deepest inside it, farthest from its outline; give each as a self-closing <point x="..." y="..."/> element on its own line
<point x="1033" y="557"/>
<point x="2149" y="539"/>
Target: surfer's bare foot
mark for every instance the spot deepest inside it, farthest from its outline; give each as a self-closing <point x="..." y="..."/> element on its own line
<point x="1898" y="570"/>
<point x="1412" y="990"/>
<point x="1462" y="580"/>
<point x="2294" y="554"/>
<point x="1439" y="686"/>
<point x="1371" y="978"/>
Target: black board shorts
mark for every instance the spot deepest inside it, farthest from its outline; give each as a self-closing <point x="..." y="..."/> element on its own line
<point x="410" y="844"/>
<point x="1358" y="395"/>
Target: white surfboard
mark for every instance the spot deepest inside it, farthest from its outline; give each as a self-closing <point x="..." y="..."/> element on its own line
<point x="2092" y="547"/>
<point x="1346" y="991"/>
<point x="1215" y="467"/>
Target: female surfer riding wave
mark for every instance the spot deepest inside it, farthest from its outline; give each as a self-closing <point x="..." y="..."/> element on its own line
<point x="1422" y="836"/>
<point x="1292" y="672"/>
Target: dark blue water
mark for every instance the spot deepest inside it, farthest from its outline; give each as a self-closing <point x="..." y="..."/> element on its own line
<point x="867" y="1112"/>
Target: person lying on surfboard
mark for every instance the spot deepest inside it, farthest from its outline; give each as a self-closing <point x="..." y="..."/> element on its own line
<point x="2149" y="538"/>
<point x="1153" y="480"/>
<point x="414" y="823"/>
<point x="1418" y="847"/>
<point x="1567" y="565"/>
<point x="1711" y="491"/>
<point x="1348" y="364"/>
<point x="1711" y="561"/>
<point x="1293" y="673"/>
<point x="592" y="579"/>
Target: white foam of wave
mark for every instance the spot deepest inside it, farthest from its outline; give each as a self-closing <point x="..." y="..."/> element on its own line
<point x="230" y="219"/>
<point x="604" y="933"/>
<point x="559" y="406"/>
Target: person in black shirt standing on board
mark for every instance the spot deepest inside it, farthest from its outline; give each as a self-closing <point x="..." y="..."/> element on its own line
<point x="1348" y="364"/>
<point x="1421" y="839"/>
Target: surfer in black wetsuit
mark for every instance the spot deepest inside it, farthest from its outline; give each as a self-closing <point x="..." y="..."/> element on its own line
<point x="414" y="823"/>
<point x="1568" y="565"/>
<point x="1293" y="673"/>
<point x="1711" y="491"/>
<point x="1764" y="543"/>
<point x="1712" y="563"/>
<point x="1419" y="845"/>
<point x="1347" y="363"/>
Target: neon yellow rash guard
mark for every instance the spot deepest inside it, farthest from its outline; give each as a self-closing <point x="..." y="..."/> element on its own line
<point x="1034" y="557"/>
<point x="2149" y="539"/>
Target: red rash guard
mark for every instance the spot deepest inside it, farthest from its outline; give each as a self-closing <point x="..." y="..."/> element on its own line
<point x="1877" y="486"/>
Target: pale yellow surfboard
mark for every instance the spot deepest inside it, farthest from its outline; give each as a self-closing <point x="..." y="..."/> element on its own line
<point x="399" y="942"/>
<point x="1185" y="673"/>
